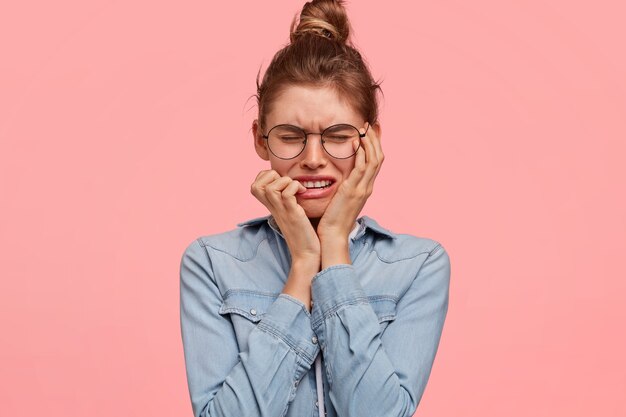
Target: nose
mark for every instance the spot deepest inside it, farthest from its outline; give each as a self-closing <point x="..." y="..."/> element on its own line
<point x="314" y="156"/>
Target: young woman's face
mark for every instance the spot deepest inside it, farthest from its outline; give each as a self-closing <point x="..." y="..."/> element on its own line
<point x="313" y="109"/>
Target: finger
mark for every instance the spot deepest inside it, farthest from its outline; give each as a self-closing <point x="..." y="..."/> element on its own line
<point x="260" y="174"/>
<point x="273" y="191"/>
<point x="301" y="188"/>
<point x="293" y="188"/>
<point x="366" y="173"/>
<point x="289" y="194"/>
<point x="371" y="157"/>
<point x="278" y="184"/>
<point x="357" y="171"/>
<point x="374" y="141"/>
<point x="356" y="144"/>
<point x="262" y="180"/>
<point x="266" y="177"/>
<point x="370" y="151"/>
<point x="378" y="148"/>
<point x="359" y="162"/>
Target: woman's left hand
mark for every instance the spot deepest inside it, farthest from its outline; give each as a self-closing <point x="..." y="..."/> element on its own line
<point x="338" y="220"/>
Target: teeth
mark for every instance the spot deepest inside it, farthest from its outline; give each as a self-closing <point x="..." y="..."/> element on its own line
<point x="316" y="184"/>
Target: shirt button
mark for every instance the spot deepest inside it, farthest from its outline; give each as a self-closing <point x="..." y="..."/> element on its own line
<point x="316" y="404"/>
<point x="253" y="312"/>
<point x="314" y="340"/>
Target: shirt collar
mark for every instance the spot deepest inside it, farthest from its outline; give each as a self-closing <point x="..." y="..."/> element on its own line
<point x="369" y="223"/>
<point x="364" y="222"/>
<point x="254" y="221"/>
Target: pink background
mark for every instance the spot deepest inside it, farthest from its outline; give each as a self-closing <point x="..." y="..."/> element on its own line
<point x="125" y="134"/>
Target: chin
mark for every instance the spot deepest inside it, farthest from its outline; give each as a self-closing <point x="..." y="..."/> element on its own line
<point x="313" y="211"/>
<point x="314" y="214"/>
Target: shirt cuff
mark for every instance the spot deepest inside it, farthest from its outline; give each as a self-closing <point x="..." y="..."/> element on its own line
<point x="288" y="320"/>
<point x="332" y="289"/>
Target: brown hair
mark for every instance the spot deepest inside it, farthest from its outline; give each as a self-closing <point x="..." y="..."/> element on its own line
<point x="320" y="54"/>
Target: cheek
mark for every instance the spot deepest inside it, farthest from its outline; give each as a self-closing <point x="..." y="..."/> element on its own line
<point x="346" y="167"/>
<point x="280" y="166"/>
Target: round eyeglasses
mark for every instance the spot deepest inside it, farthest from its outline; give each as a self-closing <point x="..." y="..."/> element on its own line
<point x="288" y="141"/>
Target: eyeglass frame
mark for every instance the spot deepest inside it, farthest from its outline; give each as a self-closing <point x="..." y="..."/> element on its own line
<point x="306" y="138"/>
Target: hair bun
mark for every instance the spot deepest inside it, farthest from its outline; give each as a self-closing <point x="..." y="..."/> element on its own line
<point x="327" y="18"/>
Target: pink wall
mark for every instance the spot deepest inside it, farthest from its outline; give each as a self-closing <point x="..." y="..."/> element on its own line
<point x="124" y="134"/>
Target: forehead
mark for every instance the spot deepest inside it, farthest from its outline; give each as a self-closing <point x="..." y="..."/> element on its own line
<point x="311" y="108"/>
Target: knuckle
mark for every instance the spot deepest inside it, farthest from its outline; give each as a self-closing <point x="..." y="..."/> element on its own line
<point x="271" y="187"/>
<point x="356" y="193"/>
<point x="272" y="198"/>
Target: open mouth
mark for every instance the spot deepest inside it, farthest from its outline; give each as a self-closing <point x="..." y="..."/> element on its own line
<point x="316" y="185"/>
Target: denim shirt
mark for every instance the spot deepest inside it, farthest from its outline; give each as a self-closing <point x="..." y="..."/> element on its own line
<point x="249" y="349"/>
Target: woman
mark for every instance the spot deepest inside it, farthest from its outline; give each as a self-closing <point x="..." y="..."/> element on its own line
<point x="312" y="310"/>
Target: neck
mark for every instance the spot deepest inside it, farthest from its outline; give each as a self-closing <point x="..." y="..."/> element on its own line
<point x="314" y="221"/>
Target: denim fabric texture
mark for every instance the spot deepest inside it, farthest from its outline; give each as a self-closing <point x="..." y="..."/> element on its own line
<point x="249" y="349"/>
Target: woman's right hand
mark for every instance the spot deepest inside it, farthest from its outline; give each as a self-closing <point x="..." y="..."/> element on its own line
<point x="278" y="194"/>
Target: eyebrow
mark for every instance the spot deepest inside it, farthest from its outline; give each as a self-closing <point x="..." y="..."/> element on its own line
<point x="301" y="128"/>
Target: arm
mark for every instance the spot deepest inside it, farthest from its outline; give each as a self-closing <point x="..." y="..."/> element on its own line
<point x="224" y="382"/>
<point x="369" y="374"/>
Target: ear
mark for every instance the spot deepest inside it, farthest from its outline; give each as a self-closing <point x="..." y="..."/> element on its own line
<point x="378" y="130"/>
<point x="260" y="144"/>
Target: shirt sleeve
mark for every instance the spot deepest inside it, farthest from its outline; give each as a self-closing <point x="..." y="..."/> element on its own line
<point x="370" y="374"/>
<point x="224" y="381"/>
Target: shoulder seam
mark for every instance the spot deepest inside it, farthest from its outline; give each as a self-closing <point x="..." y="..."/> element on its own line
<point x="254" y="253"/>
<point x="203" y="246"/>
<point x="435" y="249"/>
<point x="409" y="256"/>
<point x="387" y="261"/>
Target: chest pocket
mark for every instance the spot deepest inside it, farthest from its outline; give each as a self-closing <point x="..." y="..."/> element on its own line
<point x="245" y="308"/>
<point x="385" y="309"/>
